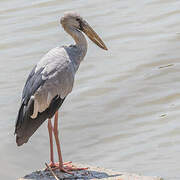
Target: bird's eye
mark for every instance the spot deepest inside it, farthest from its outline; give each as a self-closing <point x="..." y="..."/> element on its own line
<point x="77" y="19"/>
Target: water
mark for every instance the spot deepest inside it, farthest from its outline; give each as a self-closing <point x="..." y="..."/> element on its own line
<point x="124" y="110"/>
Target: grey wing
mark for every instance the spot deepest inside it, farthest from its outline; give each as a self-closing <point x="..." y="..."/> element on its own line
<point x="33" y="82"/>
<point x="59" y="78"/>
<point x="44" y="92"/>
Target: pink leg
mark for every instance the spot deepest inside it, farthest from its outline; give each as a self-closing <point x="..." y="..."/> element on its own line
<point x="50" y="130"/>
<point x="57" y="139"/>
<point x="52" y="164"/>
<point x="63" y="167"/>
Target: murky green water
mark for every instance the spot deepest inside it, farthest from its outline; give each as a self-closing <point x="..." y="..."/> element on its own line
<point x="124" y="111"/>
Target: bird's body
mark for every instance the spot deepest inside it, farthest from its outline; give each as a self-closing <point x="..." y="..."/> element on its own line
<point x="53" y="76"/>
<point x="51" y="80"/>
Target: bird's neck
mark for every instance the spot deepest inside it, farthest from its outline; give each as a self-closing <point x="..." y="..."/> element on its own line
<point x="80" y="40"/>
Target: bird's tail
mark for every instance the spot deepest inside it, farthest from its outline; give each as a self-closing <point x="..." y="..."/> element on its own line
<point x="26" y="126"/>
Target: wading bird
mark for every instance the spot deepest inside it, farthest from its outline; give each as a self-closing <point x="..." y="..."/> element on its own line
<point x="49" y="83"/>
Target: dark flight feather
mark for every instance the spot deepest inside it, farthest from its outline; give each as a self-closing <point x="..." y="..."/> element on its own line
<point x="26" y="126"/>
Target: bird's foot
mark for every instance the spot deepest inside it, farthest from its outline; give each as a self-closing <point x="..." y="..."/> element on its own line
<point x="56" y="165"/>
<point x="51" y="165"/>
<point x="67" y="167"/>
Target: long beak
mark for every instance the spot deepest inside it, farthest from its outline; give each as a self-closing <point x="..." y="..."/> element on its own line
<point x="87" y="29"/>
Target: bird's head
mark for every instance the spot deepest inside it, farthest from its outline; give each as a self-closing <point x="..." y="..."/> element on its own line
<point x="74" y="20"/>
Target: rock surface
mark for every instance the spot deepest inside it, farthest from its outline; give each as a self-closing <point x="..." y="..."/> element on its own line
<point x="92" y="173"/>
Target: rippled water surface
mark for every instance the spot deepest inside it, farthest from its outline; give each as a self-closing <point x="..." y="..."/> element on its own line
<point x="124" y="111"/>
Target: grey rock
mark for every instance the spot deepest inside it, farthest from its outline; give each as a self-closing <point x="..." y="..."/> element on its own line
<point x="91" y="173"/>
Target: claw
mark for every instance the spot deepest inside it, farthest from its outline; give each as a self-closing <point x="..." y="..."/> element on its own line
<point x="67" y="167"/>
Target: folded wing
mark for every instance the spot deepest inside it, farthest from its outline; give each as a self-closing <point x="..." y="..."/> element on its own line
<point x="50" y="81"/>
